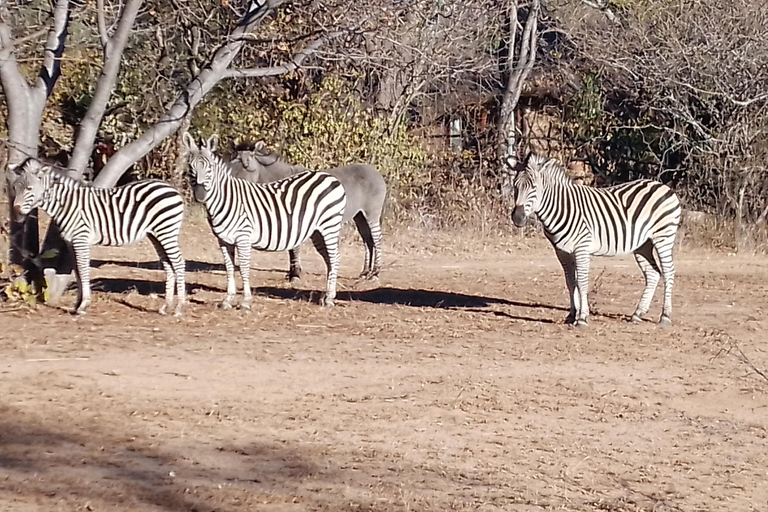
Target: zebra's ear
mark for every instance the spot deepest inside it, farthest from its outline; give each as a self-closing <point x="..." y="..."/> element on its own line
<point x="17" y="169"/>
<point x="259" y="146"/>
<point x="189" y="142"/>
<point x="212" y="143"/>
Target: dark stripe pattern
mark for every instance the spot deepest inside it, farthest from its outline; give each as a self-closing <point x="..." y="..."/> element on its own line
<point x="88" y="216"/>
<point x="275" y="216"/>
<point x="639" y="217"/>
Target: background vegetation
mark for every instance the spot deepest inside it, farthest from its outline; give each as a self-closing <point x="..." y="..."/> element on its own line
<point x="670" y="89"/>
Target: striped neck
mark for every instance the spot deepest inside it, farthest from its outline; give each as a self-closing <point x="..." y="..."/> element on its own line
<point x="221" y="179"/>
<point x="58" y="188"/>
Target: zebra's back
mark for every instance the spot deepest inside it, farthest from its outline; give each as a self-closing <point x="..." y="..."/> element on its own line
<point x="280" y="215"/>
<point x="125" y="215"/>
<point x="621" y="218"/>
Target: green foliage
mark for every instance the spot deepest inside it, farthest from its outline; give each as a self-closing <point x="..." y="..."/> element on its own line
<point x="17" y="288"/>
<point x="586" y="113"/>
<point x="326" y="127"/>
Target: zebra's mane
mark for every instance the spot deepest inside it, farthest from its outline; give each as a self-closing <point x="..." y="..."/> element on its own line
<point x="57" y="175"/>
<point x="551" y="172"/>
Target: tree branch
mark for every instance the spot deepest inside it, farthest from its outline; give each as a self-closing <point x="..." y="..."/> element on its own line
<point x="113" y="54"/>
<point x="103" y="34"/>
<point x="54" y="48"/>
<point x="291" y="65"/>
<point x="195" y="91"/>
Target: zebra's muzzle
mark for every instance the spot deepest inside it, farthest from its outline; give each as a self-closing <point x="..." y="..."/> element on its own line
<point x="199" y="192"/>
<point x="519" y="217"/>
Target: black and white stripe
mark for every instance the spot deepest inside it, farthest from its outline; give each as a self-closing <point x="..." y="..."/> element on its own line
<point x="639" y="217"/>
<point x="276" y="216"/>
<point x="88" y="216"/>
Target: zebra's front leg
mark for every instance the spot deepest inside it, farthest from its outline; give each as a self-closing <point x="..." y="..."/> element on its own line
<point x="227" y="251"/>
<point x="647" y="264"/>
<point x="82" y="250"/>
<point x="244" y="262"/>
<point x="581" y="259"/>
<point x="569" y="268"/>
<point x="294" y="271"/>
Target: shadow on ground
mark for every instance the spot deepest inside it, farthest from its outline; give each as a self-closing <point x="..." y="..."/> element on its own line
<point x="46" y="460"/>
<point x="192" y="266"/>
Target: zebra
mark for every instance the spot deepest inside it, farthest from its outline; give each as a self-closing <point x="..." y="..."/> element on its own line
<point x="364" y="187"/>
<point x="277" y="216"/>
<point x="119" y="216"/>
<point x="640" y="217"/>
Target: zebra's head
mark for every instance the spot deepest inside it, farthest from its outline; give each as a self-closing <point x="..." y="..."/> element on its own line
<point x="250" y="158"/>
<point x="527" y="186"/>
<point x="202" y="163"/>
<point x="31" y="185"/>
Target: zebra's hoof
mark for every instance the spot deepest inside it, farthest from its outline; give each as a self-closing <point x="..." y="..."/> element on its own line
<point x="326" y="302"/>
<point x="635" y="319"/>
<point x="294" y="280"/>
<point x="580" y="324"/>
<point x="246" y="306"/>
<point x="178" y="312"/>
<point x="225" y="306"/>
<point x="78" y="312"/>
<point x="162" y="311"/>
<point x="665" y="321"/>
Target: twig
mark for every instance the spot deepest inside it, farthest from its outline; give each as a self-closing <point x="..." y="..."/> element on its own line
<point x="733" y="348"/>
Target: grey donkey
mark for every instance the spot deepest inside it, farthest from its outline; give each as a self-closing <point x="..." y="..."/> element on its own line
<point x="364" y="187"/>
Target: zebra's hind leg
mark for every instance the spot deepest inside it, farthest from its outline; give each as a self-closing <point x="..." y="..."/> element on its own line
<point x="179" y="268"/>
<point x="294" y="271"/>
<point x="581" y="258"/>
<point x="664" y="247"/>
<point x="327" y="244"/>
<point x="170" y="277"/>
<point x="370" y="232"/>
<point x="244" y="262"/>
<point x="227" y="251"/>
<point x="569" y="268"/>
<point x="82" y="250"/>
<point x="651" y="272"/>
<point x="173" y="263"/>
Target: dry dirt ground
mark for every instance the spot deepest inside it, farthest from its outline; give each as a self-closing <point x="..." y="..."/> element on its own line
<point x="452" y="384"/>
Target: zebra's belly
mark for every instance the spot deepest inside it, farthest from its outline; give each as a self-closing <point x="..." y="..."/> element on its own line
<point x="592" y="245"/>
<point x="266" y="243"/>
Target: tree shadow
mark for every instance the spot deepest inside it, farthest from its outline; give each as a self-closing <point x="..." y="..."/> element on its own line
<point x="60" y="464"/>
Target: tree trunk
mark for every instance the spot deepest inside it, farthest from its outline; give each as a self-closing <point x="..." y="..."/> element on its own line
<point x="518" y="67"/>
<point x="25" y="113"/>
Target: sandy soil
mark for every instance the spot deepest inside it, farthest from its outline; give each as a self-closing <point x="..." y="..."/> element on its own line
<point x="452" y="384"/>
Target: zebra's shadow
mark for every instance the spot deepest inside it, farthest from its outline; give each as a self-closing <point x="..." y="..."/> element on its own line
<point x="405" y="297"/>
<point x="191" y="266"/>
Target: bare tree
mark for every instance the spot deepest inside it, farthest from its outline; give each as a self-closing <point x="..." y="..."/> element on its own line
<point x="26" y="102"/>
<point x="521" y="56"/>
